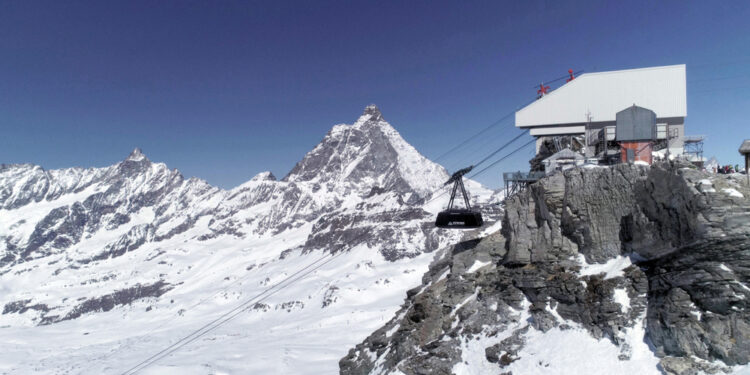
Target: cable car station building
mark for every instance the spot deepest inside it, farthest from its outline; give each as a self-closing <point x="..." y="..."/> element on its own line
<point x="614" y="116"/>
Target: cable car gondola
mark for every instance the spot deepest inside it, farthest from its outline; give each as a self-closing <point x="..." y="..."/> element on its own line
<point x="458" y="218"/>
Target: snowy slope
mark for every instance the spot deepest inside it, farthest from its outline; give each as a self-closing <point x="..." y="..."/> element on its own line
<point x="102" y="267"/>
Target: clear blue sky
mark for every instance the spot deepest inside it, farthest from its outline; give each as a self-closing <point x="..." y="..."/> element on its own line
<point x="223" y="90"/>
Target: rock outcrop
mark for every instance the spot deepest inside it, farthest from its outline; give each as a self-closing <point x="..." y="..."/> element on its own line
<point x="654" y="260"/>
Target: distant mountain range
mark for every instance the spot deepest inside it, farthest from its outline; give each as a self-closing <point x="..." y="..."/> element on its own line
<point x="102" y="267"/>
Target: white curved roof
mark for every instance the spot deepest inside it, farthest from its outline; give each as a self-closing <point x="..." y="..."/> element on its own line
<point x="661" y="89"/>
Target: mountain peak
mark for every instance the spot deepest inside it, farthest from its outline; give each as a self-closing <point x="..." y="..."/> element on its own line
<point x="264" y="176"/>
<point x="136" y="155"/>
<point x="373" y="113"/>
<point x="369" y="153"/>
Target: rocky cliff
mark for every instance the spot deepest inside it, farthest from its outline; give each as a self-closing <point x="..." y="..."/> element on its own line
<point x="628" y="269"/>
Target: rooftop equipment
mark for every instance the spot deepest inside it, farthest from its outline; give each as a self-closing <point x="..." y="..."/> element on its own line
<point x="610" y="133"/>
<point x="542" y="90"/>
<point x="572" y="77"/>
<point x="562" y="160"/>
<point x="635" y="124"/>
<point x="636" y="129"/>
<point x="516" y="181"/>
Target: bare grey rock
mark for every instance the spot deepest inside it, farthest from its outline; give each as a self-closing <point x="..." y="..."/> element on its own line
<point x="691" y="249"/>
<point x="109" y="301"/>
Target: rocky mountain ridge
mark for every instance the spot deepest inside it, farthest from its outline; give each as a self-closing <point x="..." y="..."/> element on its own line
<point x="618" y="270"/>
<point x="136" y="243"/>
<point x="353" y="163"/>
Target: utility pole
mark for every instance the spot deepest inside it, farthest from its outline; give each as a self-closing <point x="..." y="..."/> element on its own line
<point x="586" y="131"/>
<point x="668" y="136"/>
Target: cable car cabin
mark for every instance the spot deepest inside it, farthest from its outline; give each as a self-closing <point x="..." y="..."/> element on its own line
<point x="459" y="218"/>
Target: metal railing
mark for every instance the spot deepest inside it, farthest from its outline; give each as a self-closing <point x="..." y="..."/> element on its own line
<point x="522" y="176"/>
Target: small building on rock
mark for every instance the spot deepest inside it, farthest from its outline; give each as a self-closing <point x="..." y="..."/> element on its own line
<point x="614" y="116"/>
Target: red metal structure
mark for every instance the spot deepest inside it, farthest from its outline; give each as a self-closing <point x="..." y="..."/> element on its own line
<point x="636" y="151"/>
<point x="572" y="77"/>
<point x="542" y="90"/>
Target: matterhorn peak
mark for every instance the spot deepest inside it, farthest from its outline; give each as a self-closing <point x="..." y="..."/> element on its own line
<point x="136" y="155"/>
<point x="372" y="113"/>
<point x="366" y="154"/>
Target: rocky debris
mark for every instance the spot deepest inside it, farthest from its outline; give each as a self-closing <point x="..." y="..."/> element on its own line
<point x="698" y="246"/>
<point x="689" y="282"/>
<point x="506" y="352"/>
<point x="22" y="306"/>
<point x="228" y="227"/>
<point x="330" y="297"/>
<point x="184" y="226"/>
<point x="691" y="366"/>
<point x="290" y="305"/>
<point x="698" y="301"/>
<point x="425" y="335"/>
<point x="456" y="306"/>
<point x="259" y="306"/>
<point x="339" y="230"/>
<point x="110" y="301"/>
<point x="133" y="239"/>
<point x="61" y="228"/>
<point x="103" y="303"/>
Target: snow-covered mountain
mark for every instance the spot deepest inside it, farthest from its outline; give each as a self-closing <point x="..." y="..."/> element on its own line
<point x="100" y="268"/>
